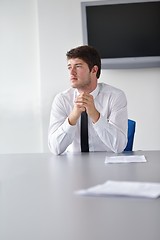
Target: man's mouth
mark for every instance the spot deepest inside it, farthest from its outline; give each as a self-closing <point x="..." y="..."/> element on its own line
<point x="73" y="79"/>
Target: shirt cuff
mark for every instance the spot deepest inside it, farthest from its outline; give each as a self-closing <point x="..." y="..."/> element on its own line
<point x="100" y="123"/>
<point x="67" y="128"/>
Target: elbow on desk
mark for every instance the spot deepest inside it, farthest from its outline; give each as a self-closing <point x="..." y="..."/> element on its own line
<point x="53" y="148"/>
<point x="54" y="151"/>
<point x="117" y="150"/>
<point x="118" y="147"/>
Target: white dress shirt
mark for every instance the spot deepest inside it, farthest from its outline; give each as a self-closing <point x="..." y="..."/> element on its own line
<point x="109" y="133"/>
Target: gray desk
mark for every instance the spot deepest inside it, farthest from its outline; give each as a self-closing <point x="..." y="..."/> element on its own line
<point x="37" y="200"/>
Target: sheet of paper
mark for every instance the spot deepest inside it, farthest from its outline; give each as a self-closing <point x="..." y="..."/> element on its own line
<point x="123" y="188"/>
<point x="125" y="159"/>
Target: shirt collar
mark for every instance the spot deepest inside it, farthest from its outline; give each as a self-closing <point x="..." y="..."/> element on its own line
<point x="95" y="92"/>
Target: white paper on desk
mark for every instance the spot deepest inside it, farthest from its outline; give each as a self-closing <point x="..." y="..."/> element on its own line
<point x="123" y="188"/>
<point x="125" y="159"/>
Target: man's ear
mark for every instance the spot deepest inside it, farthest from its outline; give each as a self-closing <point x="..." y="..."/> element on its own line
<point x="95" y="69"/>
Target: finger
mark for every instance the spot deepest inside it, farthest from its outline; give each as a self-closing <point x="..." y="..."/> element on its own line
<point x="82" y="100"/>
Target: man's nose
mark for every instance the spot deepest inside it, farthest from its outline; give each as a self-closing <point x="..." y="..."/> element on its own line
<point x="73" y="71"/>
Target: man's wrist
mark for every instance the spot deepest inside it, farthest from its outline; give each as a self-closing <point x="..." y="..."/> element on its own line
<point x="71" y="121"/>
<point x="96" y="117"/>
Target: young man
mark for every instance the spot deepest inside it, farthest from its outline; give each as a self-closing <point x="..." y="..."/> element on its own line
<point x="105" y="105"/>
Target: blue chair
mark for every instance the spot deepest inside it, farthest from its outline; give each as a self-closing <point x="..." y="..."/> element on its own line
<point x="131" y="131"/>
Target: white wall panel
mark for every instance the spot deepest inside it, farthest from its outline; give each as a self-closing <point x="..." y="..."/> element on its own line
<point x="20" y="116"/>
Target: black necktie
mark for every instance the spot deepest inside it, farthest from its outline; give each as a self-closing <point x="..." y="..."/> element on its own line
<point x="84" y="132"/>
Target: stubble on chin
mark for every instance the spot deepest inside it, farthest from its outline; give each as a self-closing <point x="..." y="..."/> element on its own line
<point x="81" y="86"/>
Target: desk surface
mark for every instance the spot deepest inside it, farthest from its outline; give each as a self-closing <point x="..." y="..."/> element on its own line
<point x="37" y="200"/>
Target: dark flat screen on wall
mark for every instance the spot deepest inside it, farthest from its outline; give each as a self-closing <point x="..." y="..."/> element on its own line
<point x="126" y="34"/>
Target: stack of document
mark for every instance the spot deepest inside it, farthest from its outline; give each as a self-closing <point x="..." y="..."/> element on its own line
<point x="123" y="188"/>
<point x="125" y="159"/>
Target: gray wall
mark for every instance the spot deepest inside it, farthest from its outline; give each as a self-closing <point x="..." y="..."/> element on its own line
<point x="35" y="36"/>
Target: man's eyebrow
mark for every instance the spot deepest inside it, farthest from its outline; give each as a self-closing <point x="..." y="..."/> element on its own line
<point x="69" y="64"/>
<point x="79" y="63"/>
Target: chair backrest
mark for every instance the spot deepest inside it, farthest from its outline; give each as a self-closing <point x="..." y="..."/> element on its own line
<point x="131" y="132"/>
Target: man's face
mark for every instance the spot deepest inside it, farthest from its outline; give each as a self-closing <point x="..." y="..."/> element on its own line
<point x="80" y="75"/>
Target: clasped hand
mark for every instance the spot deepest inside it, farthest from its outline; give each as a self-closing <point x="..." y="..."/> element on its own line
<point x="84" y="102"/>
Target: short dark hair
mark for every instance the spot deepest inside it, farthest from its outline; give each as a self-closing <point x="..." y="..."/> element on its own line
<point x="88" y="54"/>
